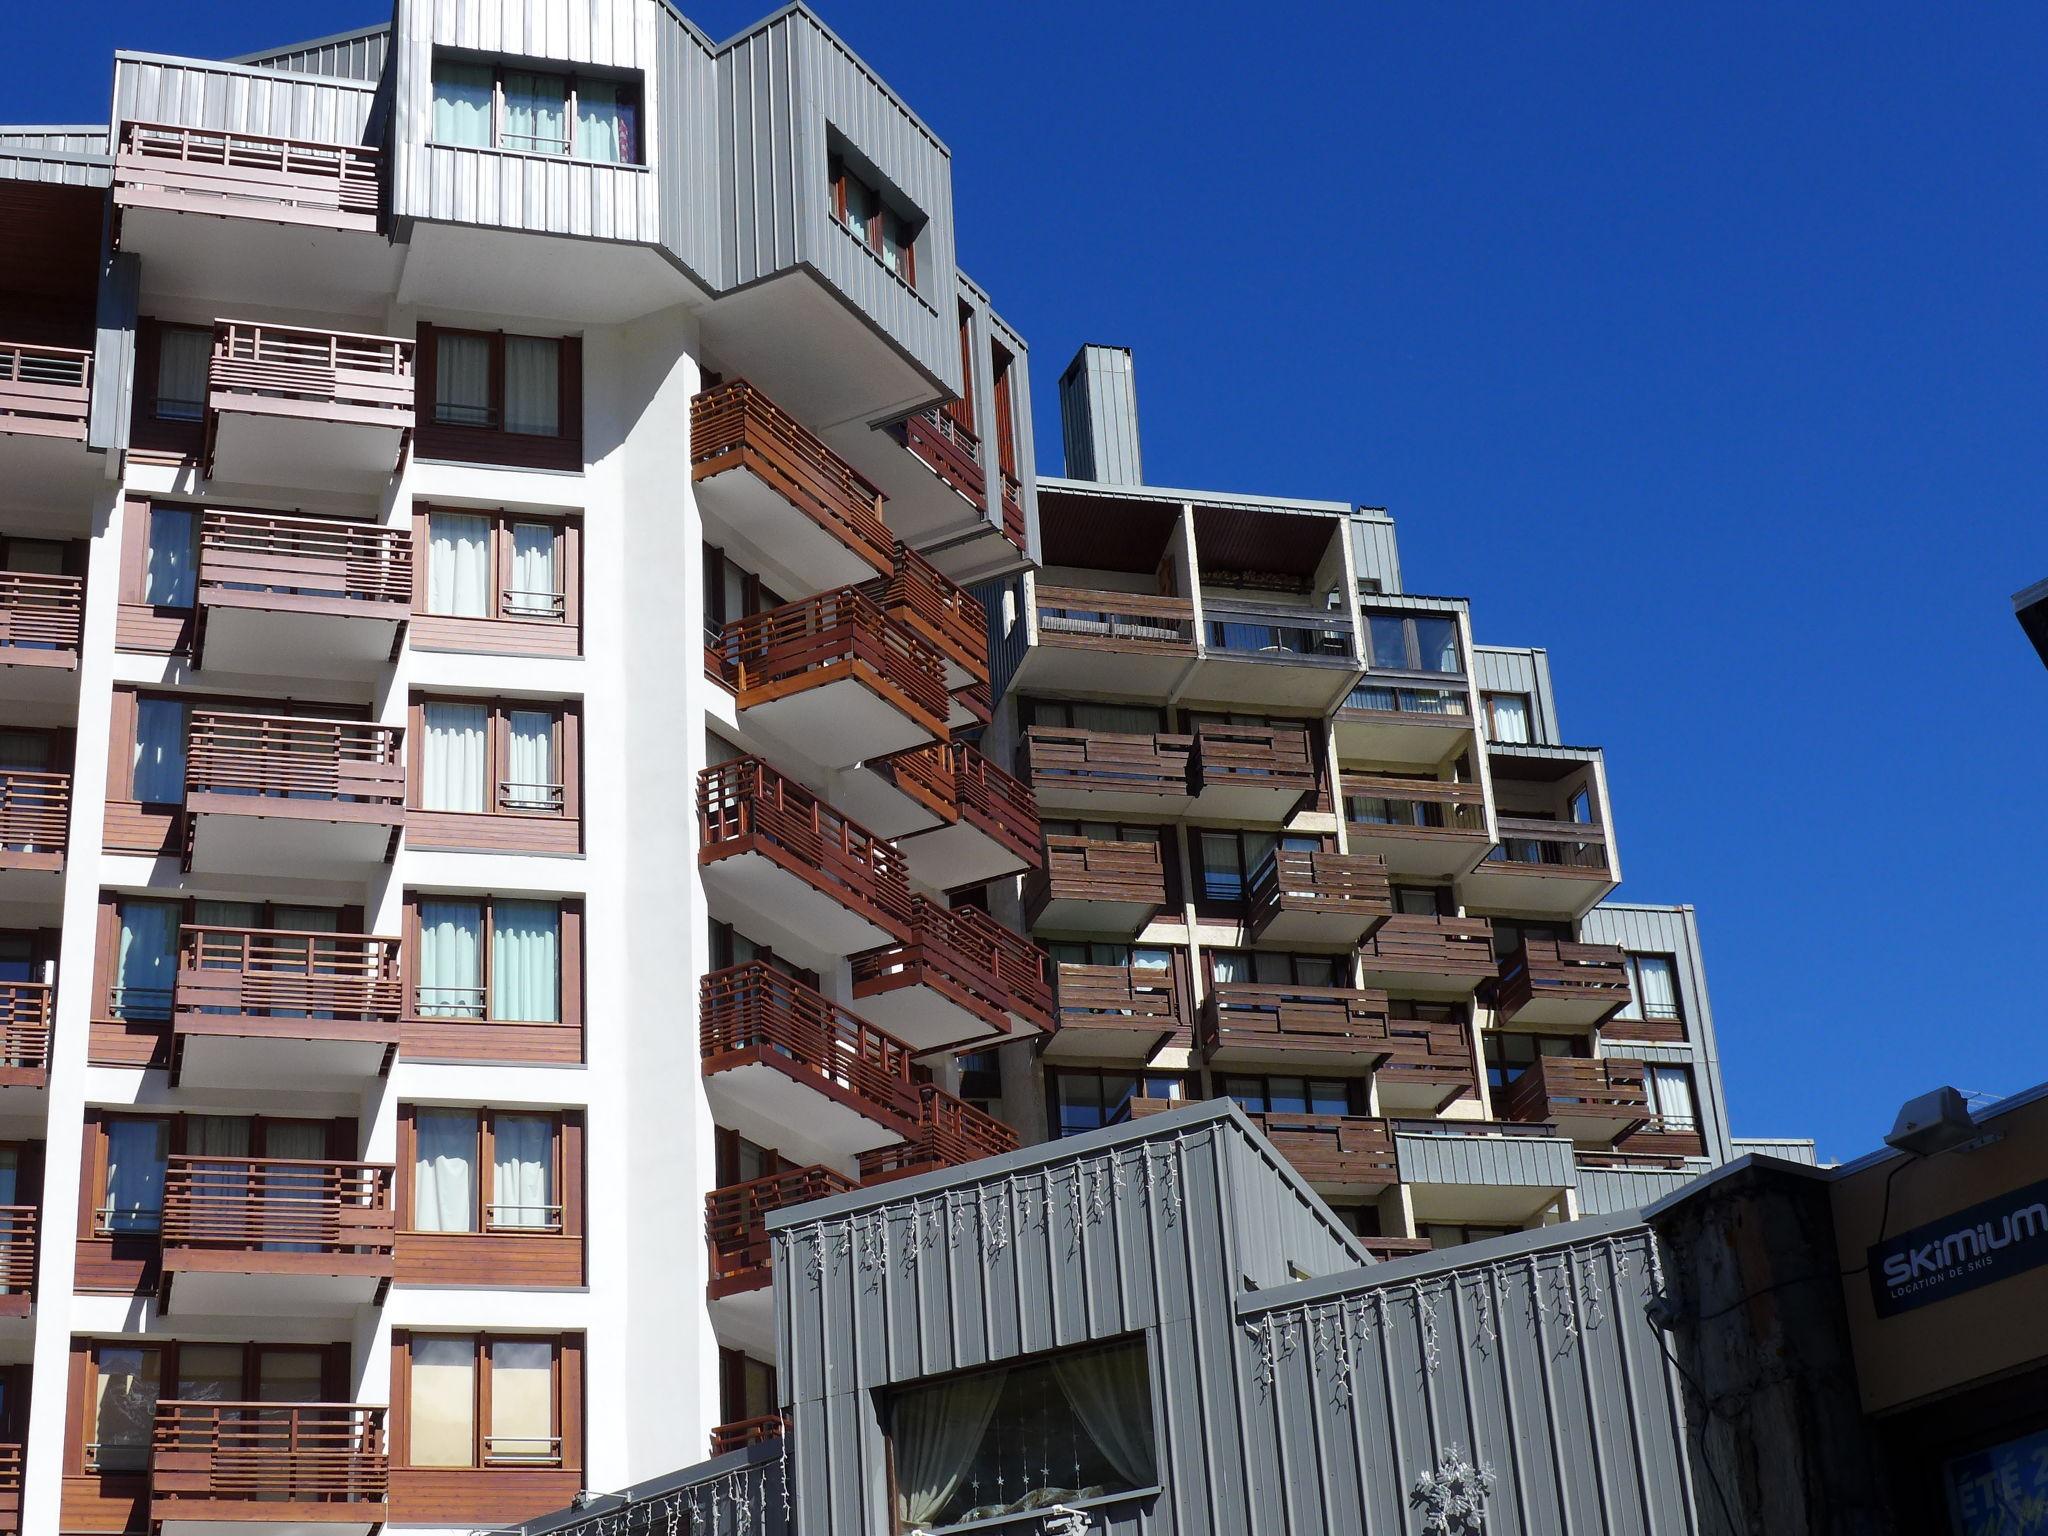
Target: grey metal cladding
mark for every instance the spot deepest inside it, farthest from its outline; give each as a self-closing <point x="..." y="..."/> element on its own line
<point x="1537" y="1363"/>
<point x="1521" y="669"/>
<point x="357" y="55"/>
<point x="1794" y="1149"/>
<point x="113" y="359"/>
<point x="236" y="98"/>
<point x="1099" y="416"/>
<point x="1027" y="436"/>
<point x="1375" y="553"/>
<point x="1535" y="1162"/>
<point x="1607" y="1191"/>
<point x="684" y="148"/>
<point x="64" y="156"/>
<point x="742" y="1493"/>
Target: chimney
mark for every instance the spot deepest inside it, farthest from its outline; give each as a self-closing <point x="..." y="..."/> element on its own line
<point x="1099" y="417"/>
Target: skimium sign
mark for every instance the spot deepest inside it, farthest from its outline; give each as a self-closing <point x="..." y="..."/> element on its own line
<point x="2006" y="1235"/>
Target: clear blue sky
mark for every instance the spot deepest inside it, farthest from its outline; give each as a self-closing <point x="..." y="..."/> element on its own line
<point x="1705" y="348"/>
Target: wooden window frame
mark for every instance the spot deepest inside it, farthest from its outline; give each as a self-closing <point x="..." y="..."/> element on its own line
<point x="348" y="919"/>
<point x="565" y="1141"/>
<point x="566" y="1394"/>
<point x="1040" y="711"/>
<point x="502" y="827"/>
<point x="733" y="1366"/>
<point x="726" y="1158"/>
<point x="82" y="1421"/>
<point x="468" y="443"/>
<point x="139" y="625"/>
<point x="449" y="1038"/>
<point x="572" y="81"/>
<point x="341" y="1147"/>
<point x="725" y="955"/>
<point x="154" y="438"/>
<point x="1355" y="1088"/>
<point x="1487" y="698"/>
<point x="1411" y="640"/>
<point x="1340" y="962"/>
<point x="1227" y="907"/>
<point x="875" y="235"/>
<point x="499" y="631"/>
<point x="1633" y="960"/>
<point x="1139" y="1075"/>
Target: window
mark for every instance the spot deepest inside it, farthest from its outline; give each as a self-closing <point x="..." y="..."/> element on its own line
<point x="145" y="961"/>
<point x="132" y="1153"/>
<point x="498" y="565"/>
<point x="1276" y="969"/>
<point x="1422" y="900"/>
<point x="1510" y="933"/>
<point x="138" y="1151"/>
<point x="981" y="1080"/>
<point x="730" y="947"/>
<point x="493" y="757"/>
<point x="501" y="399"/>
<point x="869" y="217"/>
<point x="1413" y="642"/>
<point x="1086" y="1099"/>
<point x="731" y="592"/>
<point x="1080" y="715"/>
<point x="484" y="1400"/>
<point x="494" y="106"/>
<point x="486" y="1170"/>
<point x="746" y="1388"/>
<point x="126" y="1381"/>
<point x="1509" y="1055"/>
<point x="491" y="958"/>
<point x="184" y="355"/>
<point x="1062" y="1428"/>
<point x="1442" y="1234"/>
<point x="1671" y="1097"/>
<point x="1287" y="1095"/>
<point x="158" y="770"/>
<point x="1507" y="717"/>
<point x="1137" y="956"/>
<point x="1653" y="990"/>
<point x="170" y="557"/>
<point x="1231" y="861"/>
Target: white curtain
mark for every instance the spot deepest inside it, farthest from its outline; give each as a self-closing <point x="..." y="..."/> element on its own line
<point x="168" y="573"/>
<point x="536" y="112"/>
<point x="443" y="1406"/>
<point x="1671" y="1098"/>
<point x="535" y="587"/>
<point x="1659" y="987"/>
<point x="137" y="1152"/>
<point x="444" y="1170"/>
<point x="219" y="1185"/>
<point x="451" y="983"/>
<point x="1510" y="718"/>
<point x="459" y="564"/>
<point x="159" y="777"/>
<point x="934" y="1433"/>
<point x="298" y="1141"/>
<point x="526" y="943"/>
<point x="530" y="782"/>
<point x="462" y="104"/>
<point x="523" y="1400"/>
<point x="324" y="958"/>
<point x="1228" y="965"/>
<point x="148" y="959"/>
<point x="533" y="381"/>
<point x="453" y="770"/>
<point x="184" y="354"/>
<point x="1112" y="1397"/>
<point x="605" y="122"/>
<point x="462" y="380"/>
<point x="523" y="1171"/>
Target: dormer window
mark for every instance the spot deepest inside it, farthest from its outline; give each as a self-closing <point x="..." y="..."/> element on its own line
<point x="868" y="215"/>
<point x="537" y="112"/>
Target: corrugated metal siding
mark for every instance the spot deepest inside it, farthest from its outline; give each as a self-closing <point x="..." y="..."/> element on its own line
<point x="685" y="148"/>
<point x="1792" y="1150"/>
<point x="113" y="360"/>
<point x="742" y="1493"/>
<point x="1099" y="417"/>
<point x="1608" y="1191"/>
<point x="58" y="139"/>
<point x="1521" y="669"/>
<point x="345" y="56"/>
<point x="1536" y="1162"/>
<point x="1538" y="1365"/>
<point x="1003" y="605"/>
<point x="1374" y="552"/>
<point x="55" y="168"/>
<point x="193" y="93"/>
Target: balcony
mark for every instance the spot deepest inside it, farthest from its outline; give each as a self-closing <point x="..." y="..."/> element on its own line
<point x="1344" y="1155"/>
<point x="1318" y="898"/>
<point x="1132" y="643"/>
<point x="1420" y="722"/>
<point x="42" y="625"/>
<point x="35" y="821"/>
<point x="950" y="1133"/>
<point x="742" y="1433"/>
<point x="271" y="1008"/>
<point x="275" y="1237"/>
<point x="790" y="1069"/>
<point x="10" y="1489"/>
<point x="1442" y="956"/>
<point x="1430" y="1065"/>
<point x="1245" y="1022"/>
<point x="833" y="674"/>
<point x="17" y="1261"/>
<point x="1422" y="827"/>
<point x="950" y="450"/>
<point x="903" y="794"/>
<point x="44" y="391"/>
<point x="1093" y="885"/>
<point x="1555" y="855"/>
<point x="962" y="979"/>
<point x="1550" y="984"/>
<point x="1484" y="1173"/>
<point x="762" y="474"/>
<point x="291" y="406"/>
<point x="267" y="1466"/>
<point x="736" y="1231"/>
<point x="1251" y="772"/>
<point x="245" y="175"/>
<point x="769" y="845"/>
<point x="303" y="596"/>
<point x="993" y="833"/>
<point x="1386" y="1250"/>
<point x="272" y="794"/>
<point x="27" y="1011"/>
<point x="1108" y="773"/>
<point x="1595" y="1099"/>
<point x="1116" y="1013"/>
<point x="929" y="604"/>
<point x="1268" y="655"/>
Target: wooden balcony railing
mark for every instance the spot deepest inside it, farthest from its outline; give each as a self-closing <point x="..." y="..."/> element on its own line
<point x="1553" y="971"/>
<point x="1120" y="997"/>
<point x="1435" y="702"/>
<point x="741" y="1433"/>
<point x="345" y="566"/>
<point x="1413" y="807"/>
<point x="40" y="614"/>
<point x="969" y="957"/>
<point x="1333" y="1149"/>
<point x="950" y="1132"/>
<point x="269" y="1456"/>
<point x="1114" y="621"/>
<point x="1000" y="806"/>
<point x="1088" y="869"/>
<point x="734" y="425"/>
<point x="353" y="762"/>
<point x="1446" y="946"/>
<point x="745" y="806"/>
<point x="1433" y="1054"/>
<point x="17" y="1250"/>
<point x="1568" y="847"/>
<point x="951" y="450"/>
<point x="823" y="639"/>
<point x="1264" y="756"/>
<point x="294" y="181"/>
<point x="753" y="1012"/>
<point x="1270" y="632"/>
<point x="1240" y="1017"/>
<point x="26" y="1012"/>
<point x="282" y="1206"/>
<point x="44" y="391"/>
<point x="1387" y="1249"/>
<point x="1301" y="883"/>
<point x="735" y="1224"/>
<point x="1014" y="528"/>
<point x="283" y="973"/>
<point x="10" y="1489"/>
<point x="350" y="376"/>
<point x="1060" y="760"/>
<point x="923" y="599"/>
<point x="35" y="813"/>
<point x="1577" y="1087"/>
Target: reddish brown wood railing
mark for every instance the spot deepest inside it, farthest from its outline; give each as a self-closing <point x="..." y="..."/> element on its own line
<point x="283" y="972"/>
<point x="1119" y="997"/>
<point x="1269" y="756"/>
<point x="1301" y="880"/>
<point x="922" y="598"/>
<point x="1097" y="869"/>
<point x="339" y="368"/>
<point x="1555" y="1087"/>
<point x="160" y="165"/>
<point x="1114" y="621"/>
<point x="1445" y="808"/>
<point x="952" y="451"/>
<point x="734" y="425"/>
<point x="950" y="1133"/>
<point x="18" y="1250"/>
<point x="745" y="806"/>
<point x="44" y="391"/>
<point x="1057" y="758"/>
<point x="999" y="805"/>
<point x="271" y="1455"/>
<point x="966" y="954"/>
<point x="35" y="811"/>
<point x="1264" y="1017"/>
<point x="735" y="1221"/>
<point x="1333" y="1149"/>
<point x="926" y="775"/>
<point x="26" y="1011"/>
<point x="1434" y="1053"/>
<point x="741" y="1433"/>
<point x="1451" y="946"/>
<point x="750" y="1010"/>
<point x="836" y="634"/>
<point x="1550" y="970"/>
<point x="280" y="1205"/>
<point x="354" y="761"/>
<point x="45" y="613"/>
<point x="1528" y="842"/>
<point x="1387" y="1249"/>
<point x="307" y="556"/>
<point x="10" y="1488"/>
<point x="1014" y="528"/>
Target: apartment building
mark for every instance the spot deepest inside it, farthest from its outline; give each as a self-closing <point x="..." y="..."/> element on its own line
<point x="548" y="717"/>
